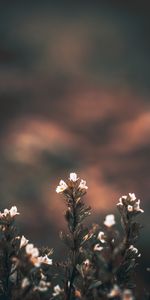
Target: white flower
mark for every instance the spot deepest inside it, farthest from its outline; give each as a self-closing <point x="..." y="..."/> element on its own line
<point x="97" y="247"/>
<point x="31" y="250"/>
<point x="61" y="187"/>
<point x="114" y="292"/>
<point x="6" y="212"/>
<point x="33" y="254"/>
<point x="45" y="260"/>
<point x="57" y="290"/>
<point x="101" y="236"/>
<point x="120" y="202"/>
<point x="137" y="206"/>
<point x="83" y="185"/>
<point x="23" y="241"/>
<point x="133" y="249"/>
<point x="12" y="212"/>
<point x="132" y="196"/>
<point x="109" y="220"/>
<point x="130" y="208"/>
<point x="73" y="177"/>
<point x="25" y="282"/>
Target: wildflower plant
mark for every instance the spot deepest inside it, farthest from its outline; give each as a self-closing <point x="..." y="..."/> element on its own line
<point x="100" y="261"/>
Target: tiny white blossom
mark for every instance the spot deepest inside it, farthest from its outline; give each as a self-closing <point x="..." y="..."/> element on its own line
<point x="109" y="221"/>
<point x="97" y="247"/>
<point x="133" y="249"/>
<point x="61" y="187"/>
<point x="12" y="212"/>
<point x="31" y="250"/>
<point x="25" y="282"/>
<point x="114" y="292"/>
<point x="137" y="206"/>
<point x="6" y="212"/>
<point x="130" y="208"/>
<point x="57" y="290"/>
<point x="132" y="196"/>
<point x="120" y="202"/>
<point x="83" y="185"/>
<point x="101" y="236"/>
<point x="23" y="241"/>
<point x="73" y="177"/>
<point x="45" y="260"/>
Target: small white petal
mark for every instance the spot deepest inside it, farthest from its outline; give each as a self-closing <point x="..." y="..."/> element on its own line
<point x="132" y="196"/>
<point x="109" y="221"/>
<point x="57" y="290"/>
<point x="137" y="206"/>
<point x="120" y="202"/>
<point x="13" y="211"/>
<point x="97" y="247"/>
<point x="73" y="177"/>
<point x="133" y="249"/>
<point x="101" y="237"/>
<point x="23" y="241"/>
<point x="25" y="282"/>
<point x="83" y="185"/>
<point x="45" y="260"/>
<point x="61" y="187"/>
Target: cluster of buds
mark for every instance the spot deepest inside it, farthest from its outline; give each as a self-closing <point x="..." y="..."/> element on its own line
<point x="131" y="204"/>
<point x="9" y="213"/>
<point x="72" y="182"/>
<point x="123" y="295"/>
<point x="109" y="222"/>
<point x="42" y="286"/>
<point x="35" y="259"/>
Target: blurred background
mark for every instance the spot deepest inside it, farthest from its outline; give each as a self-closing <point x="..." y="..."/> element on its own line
<point x="74" y="96"/>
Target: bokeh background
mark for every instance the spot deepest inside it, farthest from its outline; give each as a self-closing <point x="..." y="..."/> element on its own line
<point x="74" y="96"/>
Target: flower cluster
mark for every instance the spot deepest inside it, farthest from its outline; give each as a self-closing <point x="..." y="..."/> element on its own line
<point x="72" y="180"/>
<point x="131" y="203"/>
<point x="9" y="213"/>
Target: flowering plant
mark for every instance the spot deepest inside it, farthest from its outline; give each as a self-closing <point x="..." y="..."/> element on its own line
<point x="100" y="261"/>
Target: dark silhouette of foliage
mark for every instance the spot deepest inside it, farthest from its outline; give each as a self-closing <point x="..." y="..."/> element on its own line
<point x="100" y="262"/>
